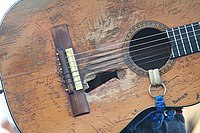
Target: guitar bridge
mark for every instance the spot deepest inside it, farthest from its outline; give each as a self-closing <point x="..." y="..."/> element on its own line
<point x="70" y="72"/>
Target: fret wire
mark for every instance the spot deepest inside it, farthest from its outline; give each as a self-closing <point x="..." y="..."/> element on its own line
<point x="188" y="39"/>
<point x="182" y="41"/>
<point x="172" y="49"/>
<point x="176" y="42"/>
<point x="195" y="37"/>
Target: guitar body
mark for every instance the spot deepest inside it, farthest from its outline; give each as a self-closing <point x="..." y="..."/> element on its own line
<point x="35" y="95"/>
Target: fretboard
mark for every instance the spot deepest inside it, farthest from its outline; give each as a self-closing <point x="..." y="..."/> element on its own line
<point x="185" y="39"/>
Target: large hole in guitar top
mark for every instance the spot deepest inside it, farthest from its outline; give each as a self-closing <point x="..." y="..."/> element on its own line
<point x="150" y="48"/>
<point x="100" y="79"/>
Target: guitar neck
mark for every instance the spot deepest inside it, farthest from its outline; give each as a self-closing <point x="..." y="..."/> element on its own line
<point x="184" y="40"/>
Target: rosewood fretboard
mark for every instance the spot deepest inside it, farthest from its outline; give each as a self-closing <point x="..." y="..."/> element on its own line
<point x="185" y="39"/>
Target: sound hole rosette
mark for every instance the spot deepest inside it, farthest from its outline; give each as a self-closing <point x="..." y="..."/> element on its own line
<point x="130" y="34"/>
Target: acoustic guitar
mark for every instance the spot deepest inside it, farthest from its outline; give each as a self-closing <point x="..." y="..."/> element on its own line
<point x="81" y="66"/>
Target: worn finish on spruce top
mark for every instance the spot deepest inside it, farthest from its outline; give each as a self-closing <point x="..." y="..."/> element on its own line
<point x="34" y="90"/>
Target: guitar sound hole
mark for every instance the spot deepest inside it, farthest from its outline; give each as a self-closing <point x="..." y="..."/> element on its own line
<point x="150" y="52"/>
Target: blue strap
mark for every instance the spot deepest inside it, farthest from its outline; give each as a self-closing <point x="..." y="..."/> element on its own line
<point x="157" y="116"/>
<point x="160" y="104"/>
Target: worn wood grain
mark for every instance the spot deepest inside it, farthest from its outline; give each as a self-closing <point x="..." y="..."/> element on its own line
<point x="29" y="69"/>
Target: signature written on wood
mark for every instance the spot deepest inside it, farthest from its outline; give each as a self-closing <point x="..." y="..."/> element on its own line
<point x="187" y="79"/>
<point x="188" y="61"/>
<point x="180" y="98"/>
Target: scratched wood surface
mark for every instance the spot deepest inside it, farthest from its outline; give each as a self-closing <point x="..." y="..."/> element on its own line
<point x="29" y="71"/>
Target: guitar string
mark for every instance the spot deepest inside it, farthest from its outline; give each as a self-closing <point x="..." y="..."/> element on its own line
<point x="141" y="38"/>
<point x="146" y="47"/>
<point x="137" y="50"/>
<point x="124" y="63"/>
<point x="119" y="49"/>
<point x="124" y="53"/>
<point x="130" y="56"/>
<point x="121" y="63"/>
<point x="115" y="62"/>
<point x="181" y="27"/>
<point x="116" y="59"/>
<point x="124" y="48"/>
<point x="121" y="53"/>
